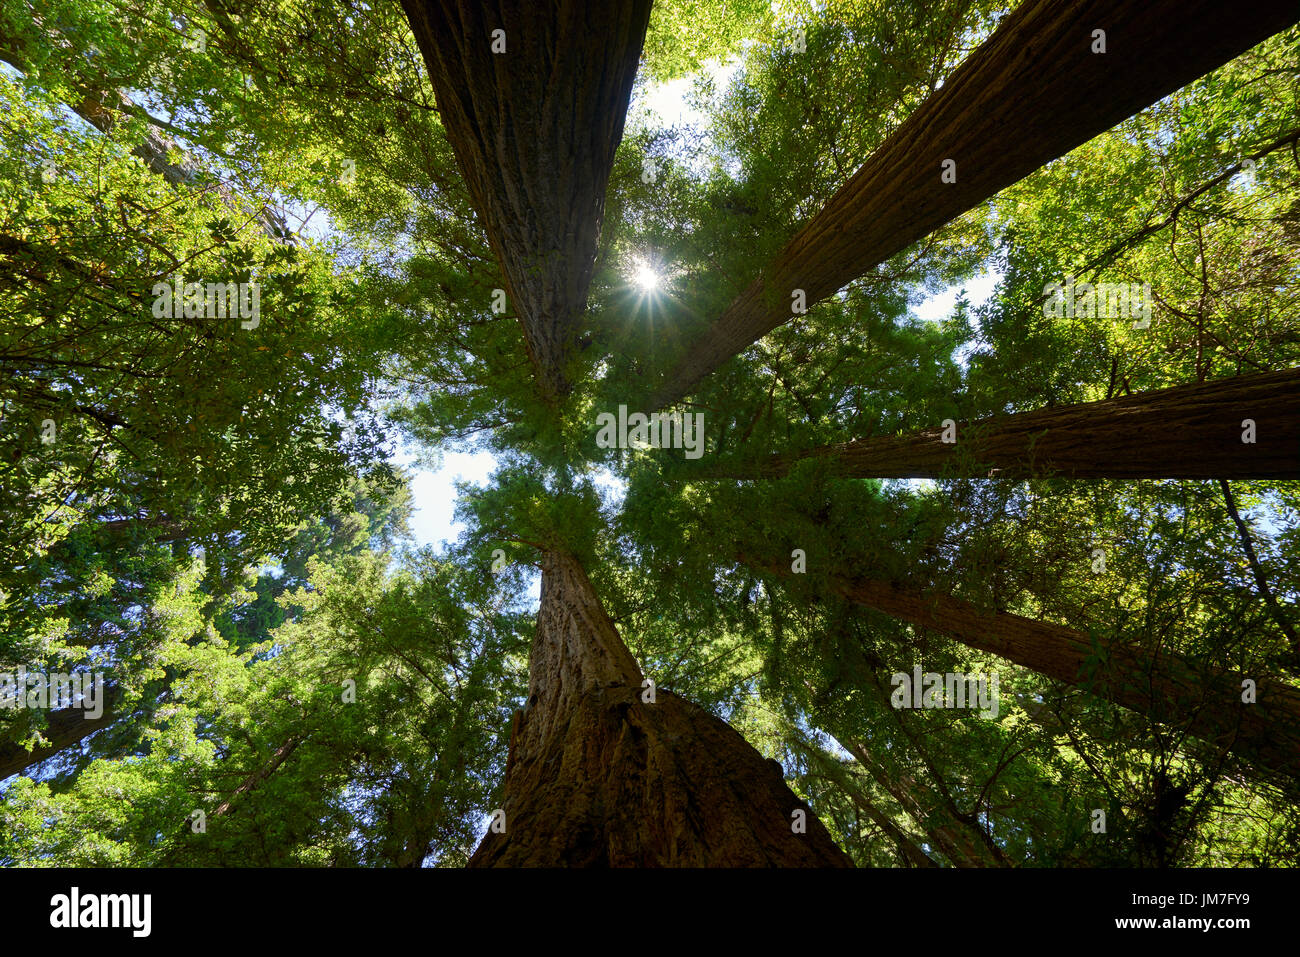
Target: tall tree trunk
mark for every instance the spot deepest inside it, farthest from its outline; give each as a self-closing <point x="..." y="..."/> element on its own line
<point x="958" y="835"/>
<point x="534" y="128"/>
<point x="67" y="726"/>
<point x="1186" y="432"/>
<point x="183" y="838"/>
<point x="1030" y="93"/>
<point x="902" y="787"/>
<point x="600" y="777"/>
<point x="99" y="108"/>
<point x="1164" y="686"/>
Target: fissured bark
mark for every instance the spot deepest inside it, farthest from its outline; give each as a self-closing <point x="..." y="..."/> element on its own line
<point x="1186" y="432"/>
<point x="599" y="777"/>
<point x="1033" y="91"/>
<point x="533" y="97"/>
<point x="1165" y="686"/>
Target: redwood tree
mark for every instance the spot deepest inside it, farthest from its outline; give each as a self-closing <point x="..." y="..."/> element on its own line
<point x="497" y="202"/>
<point x="594" y="777"/>
<point x="1238" y="428"/>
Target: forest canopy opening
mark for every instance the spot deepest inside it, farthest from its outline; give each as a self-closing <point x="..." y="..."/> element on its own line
<point x="263" y="267"/>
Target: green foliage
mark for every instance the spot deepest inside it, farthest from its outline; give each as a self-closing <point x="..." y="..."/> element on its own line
<point x="217" y="521"/>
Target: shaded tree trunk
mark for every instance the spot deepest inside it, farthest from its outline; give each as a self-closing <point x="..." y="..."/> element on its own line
<point x="1186" y="432"/>
<point x="278" y="758"/>
<point x="100" y="107"/>
<point x="909" y="851"/>
<point x="1165" y="686"/>
<point x="1030" y="93"/>
<point x="599" y="777"/>
<point x="67" y="726"/>
<point x="957" y="835"/>
<point x="906" y="846"/>
<point x="259" y="775"/>
<point x="534" y="128"/>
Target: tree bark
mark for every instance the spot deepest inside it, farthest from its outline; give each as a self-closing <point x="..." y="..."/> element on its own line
<point x="1186" y="432"/>
<point x="1166" y="687"/>
<point x="67" y="726"/>
<point x="599" y="777"/>
<point x="534" y="130"/>
<point x="1029" y="94"/>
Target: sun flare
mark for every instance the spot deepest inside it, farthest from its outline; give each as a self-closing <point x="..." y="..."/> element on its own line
<point x="646" y="278"/>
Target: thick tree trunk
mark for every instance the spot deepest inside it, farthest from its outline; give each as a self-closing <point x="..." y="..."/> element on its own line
<point x="534" y="128"/>
<point x="1032" y="92"/>
<point x="600" y="777"/>
<point x="1187" y="432"/>
<point x="1166" y="687"/>
<point x="67" y="726"/>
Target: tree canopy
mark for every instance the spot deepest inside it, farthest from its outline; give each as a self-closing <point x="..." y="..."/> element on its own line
<point x="252" y="252"/>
